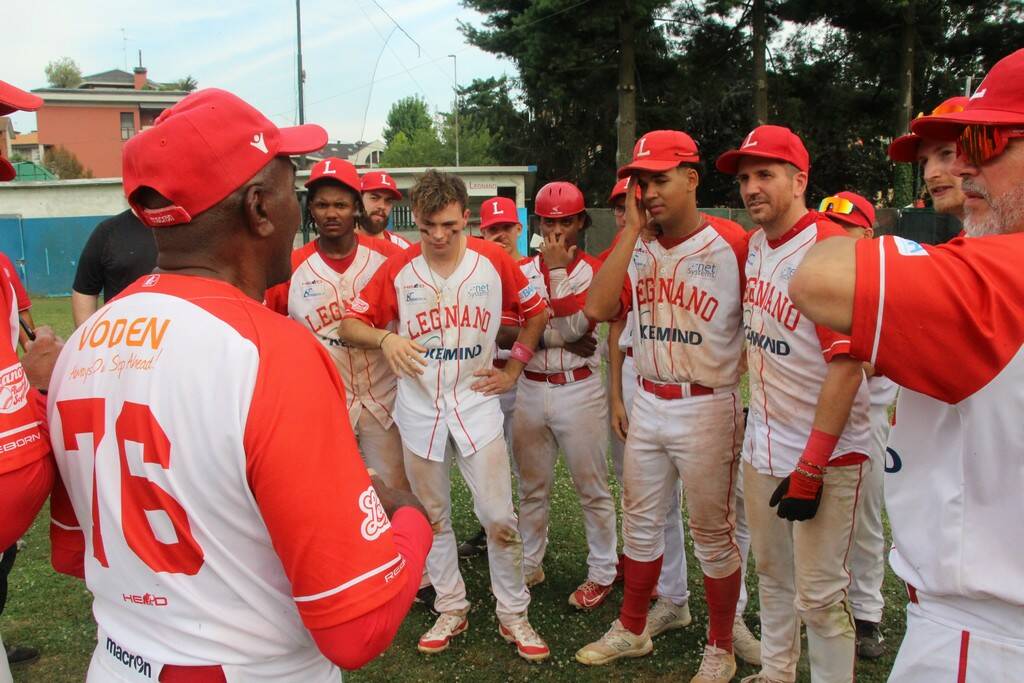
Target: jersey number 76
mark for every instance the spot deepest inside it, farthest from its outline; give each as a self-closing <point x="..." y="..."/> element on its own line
<point x="139" y="495"/>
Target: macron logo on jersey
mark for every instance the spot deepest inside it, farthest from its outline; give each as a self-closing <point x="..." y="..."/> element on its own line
<point x="376" y="521"/>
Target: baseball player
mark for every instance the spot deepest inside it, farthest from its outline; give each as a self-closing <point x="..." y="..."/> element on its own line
<point x="807" y="436"/>
<point x="856" y="215"/>
<point x="945" y="323"/>
<point x="231" y="531"/>
<point x="672" y="588"/>
<point x="326" y="273"/>
<point x="561" y="403"/>
<point x="935" y="157"/>
<point x="684" y="287"/>
<point x="447" y="294"/>
<point x="24" y="303"/>
<point x="379" y="194"/>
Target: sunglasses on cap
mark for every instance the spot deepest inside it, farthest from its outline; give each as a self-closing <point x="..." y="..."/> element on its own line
<point x="840" y="205"/>
<point x="980" y="143"/>
<point x="944" y="108"/>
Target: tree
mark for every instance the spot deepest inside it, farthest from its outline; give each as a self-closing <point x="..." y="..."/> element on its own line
<point x="64" y="164"/>
<point x="408" y="115"/>
<point x="186" y="84"/>
<point x="422" y="148"/>
<point x="63" y="73"/>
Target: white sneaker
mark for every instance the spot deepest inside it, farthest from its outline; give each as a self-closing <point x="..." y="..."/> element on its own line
<point x="447" y="626"/>
<point x="717" y="666"/>
<point x="759" y="678"/>
<point x="529" y="645"/>
<point x="744" y="644"/>
<point x="665" y="615"/>
<point x="618" y="642"/>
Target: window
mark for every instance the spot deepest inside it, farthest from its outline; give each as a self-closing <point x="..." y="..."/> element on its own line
<point x="127" y="125"/>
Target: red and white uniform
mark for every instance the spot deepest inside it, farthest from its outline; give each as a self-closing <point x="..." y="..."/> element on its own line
<point x="210" y="510"/>
<point x="802" y="573"/>
<point x="560" y="405"/>
<point x="23" y="301"/>
<point x="456" y="319"/>
<point x="316" y="296"/>
<point x="396" y="239"/>
<point x="946" y="323"/>
<point x="686" y="417"/>
<point x="788" y="355"/>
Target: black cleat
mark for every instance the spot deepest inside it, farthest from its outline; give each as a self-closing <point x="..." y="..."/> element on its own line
<point x="426" y="596"/>
<point x="18" y="654"/>
<point x="474" y="546"/>
<point x="869" y="640"/>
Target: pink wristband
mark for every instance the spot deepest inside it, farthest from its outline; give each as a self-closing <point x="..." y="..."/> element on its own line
<point x="819" y="448"/>
<point x="521" y="353"/>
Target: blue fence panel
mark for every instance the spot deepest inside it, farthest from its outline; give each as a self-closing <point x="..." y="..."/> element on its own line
<point x="51" y="250"/>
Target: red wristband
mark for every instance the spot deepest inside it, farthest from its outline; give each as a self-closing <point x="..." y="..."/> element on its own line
<point x="819" y="448"/>
<point x="521" y="353"/>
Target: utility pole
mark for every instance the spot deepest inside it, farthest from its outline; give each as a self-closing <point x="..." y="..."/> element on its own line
<point x="301" y="76"/>
<point x="455" y="72"/>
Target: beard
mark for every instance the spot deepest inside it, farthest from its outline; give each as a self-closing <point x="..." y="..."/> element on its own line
<point x="1005" y="214"/>
<point x="373" y="224"/>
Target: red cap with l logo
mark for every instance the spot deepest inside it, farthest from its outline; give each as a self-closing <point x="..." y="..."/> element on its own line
<point x="14" y="99"/>
<point x="661" y="150"/>
<point x="333" y="168"/>
<point x="498" y="210"/>
<point x="204" y="148"/>
<point x="767" y="142"/>
<point x="379" y="181"/>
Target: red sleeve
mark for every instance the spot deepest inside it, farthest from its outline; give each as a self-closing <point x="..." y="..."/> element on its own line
<point x="354" y="643"/>
<point x="625" y="297"/>
<point x="323" y="515"/>
<point x="24" y="303"/>
<point x="22" y="493"/>
<point x="944" y="320"/>
<point x="21" y="441"/>
<point x="67" y="541"/>
<point x="276" y="298"/>
<point x="377" y="303"/>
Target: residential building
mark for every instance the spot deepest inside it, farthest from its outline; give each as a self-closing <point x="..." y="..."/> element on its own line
<point x="362" y="154"/>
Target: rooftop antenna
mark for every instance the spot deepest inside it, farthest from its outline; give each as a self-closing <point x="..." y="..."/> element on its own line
<point x="140" y="58"/>
<point x="124" y="47"/>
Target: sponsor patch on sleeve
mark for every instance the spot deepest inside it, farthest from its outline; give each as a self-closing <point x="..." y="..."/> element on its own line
<point x="13" y="389"/>
<point x="526" y="292"/>
<point x="908" y="247"/>
<point x="358" y="305"/>
<point x="375" y="522"/>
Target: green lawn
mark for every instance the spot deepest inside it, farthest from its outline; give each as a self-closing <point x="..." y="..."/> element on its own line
<point x="52" y="613"/>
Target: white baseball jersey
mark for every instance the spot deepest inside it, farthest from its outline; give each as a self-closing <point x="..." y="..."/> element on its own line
<point x="225" y="508"/>
<point x="788" y="355"/>
<point x="883" y="390"/>
<point x="457" y="320"/>
<point x="685" y="300"/>
<point x="565" y="295"/>
<point x="315" y="297"/>
<point x="946" y="323"/>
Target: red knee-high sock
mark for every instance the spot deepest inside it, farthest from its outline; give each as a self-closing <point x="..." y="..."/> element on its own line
<point x="640" y="581"/>
<point x="722" y="595"/>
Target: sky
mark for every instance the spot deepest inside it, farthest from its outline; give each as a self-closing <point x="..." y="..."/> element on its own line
<point x="357" y="62"/>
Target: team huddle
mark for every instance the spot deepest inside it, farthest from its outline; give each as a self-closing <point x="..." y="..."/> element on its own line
<point x="231" y="529"/>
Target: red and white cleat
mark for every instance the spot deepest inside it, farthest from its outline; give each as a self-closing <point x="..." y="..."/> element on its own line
<point x="447" y="626"/>
<point x="589" y="595"/>
<point x="529" y="645"/>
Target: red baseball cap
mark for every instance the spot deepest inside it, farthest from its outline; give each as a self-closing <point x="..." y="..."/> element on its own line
<point x="498" y="210"/>
<point x="998" y="101"/>
<point x="862" y="216"/>
<point x="767" y="142"/>
<point x="333" y="168"/>
<point x="619" y="190"/>
<point x="558" y="199"/>
<point x="904" y="148"/>
<point x="204" y="148"/>
<point x="661" y="150"/>
<point x="379" y="180"/>
<point x="14" y="99"/>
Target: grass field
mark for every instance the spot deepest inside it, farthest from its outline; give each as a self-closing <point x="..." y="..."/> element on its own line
<point x="51" y="612"/>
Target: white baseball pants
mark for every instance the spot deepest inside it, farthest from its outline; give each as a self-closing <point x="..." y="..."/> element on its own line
<point x="487" y="475"/>
<point x="802" y="574"/>
<point x="743" y="541"/>
<point x="381" y="450"/>
<point x="672" y="582"/>
<point x="5" y="669"/>
<point x="571" y="416"/>
<point x="867" y="555"/>
<point x="944" y="643"/>
<point x="696" y="440"/>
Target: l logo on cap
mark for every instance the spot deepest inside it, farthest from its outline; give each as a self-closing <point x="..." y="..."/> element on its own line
<point x="327" y="168"/>
<point x="640" y="151"/>
<point x="257" y="142"/>
<point x="979" y="94"/>
<point x="749" y="142"/>
<point x="384" y="180"/>
<point x="497" y="211"/>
